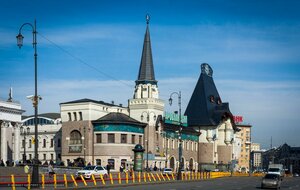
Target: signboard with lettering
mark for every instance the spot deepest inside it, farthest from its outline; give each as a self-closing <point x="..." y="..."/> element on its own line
<point x="238" y="119"/>
<point x="173" y="118"/>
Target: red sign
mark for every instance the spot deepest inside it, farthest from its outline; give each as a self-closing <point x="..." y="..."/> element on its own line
<point x="238" y="119"/>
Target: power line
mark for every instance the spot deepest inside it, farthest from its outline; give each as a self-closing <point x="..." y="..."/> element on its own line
<point x="83" y="62"/>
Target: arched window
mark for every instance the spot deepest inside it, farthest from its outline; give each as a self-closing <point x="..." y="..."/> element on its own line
<point x="75" y="144"/>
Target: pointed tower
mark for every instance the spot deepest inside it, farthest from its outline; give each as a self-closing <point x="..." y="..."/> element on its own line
<point x="146" y="105"/>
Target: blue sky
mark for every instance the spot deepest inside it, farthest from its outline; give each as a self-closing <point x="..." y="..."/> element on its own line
<point x="92" y="49"/>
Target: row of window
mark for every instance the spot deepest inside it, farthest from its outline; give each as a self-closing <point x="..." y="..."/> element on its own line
<point x="187" y="145"/>
<point x="111" y="162"/>
<point x="74" y="118"/>
<point x="123" y="138"/>
<point x="44" y="157"/>
<point x="44" y="143"/>
<point x="41" y="121"/>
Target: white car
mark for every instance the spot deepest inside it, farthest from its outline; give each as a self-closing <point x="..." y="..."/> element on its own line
<point x="88" y="171"/>
<point x="168" y="171"/>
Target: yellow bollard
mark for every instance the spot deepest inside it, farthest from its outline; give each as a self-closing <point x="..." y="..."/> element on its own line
<point x="133" y="177"/>
<point x="149" y="178"/>
<point x="158" y="176"/>
<point x="182" y="176"/>
<point x="75" y="183"/>
<point x="65" y="180"/>
<point x="153" y="177"/>
<point x="84" y="182"/>
<point x="126" y="177"/>
<point x="111" y="179"/>
<point x="189" y="176"/>
<point x="94" y="180"/>
<point x="139" y="177"/>
<point x="173" y="177"/>
<point x="145" y="179"/>
<point x="119" y="176"/>
<point x="168" y="177"/>
<point x="43" y="181"/>
<point x="29" y="182"/>
<point x="102" y="179"/>
<point x="55" y="181"/>
<point x="13" y="186"/>
<point x="162" y="176"/>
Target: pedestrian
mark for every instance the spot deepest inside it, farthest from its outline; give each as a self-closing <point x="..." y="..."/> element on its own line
<point x="121" y="168"/>
<point x="26" y="168"/>
<point x="108" y="168"/>
<point x="50" y="170"/>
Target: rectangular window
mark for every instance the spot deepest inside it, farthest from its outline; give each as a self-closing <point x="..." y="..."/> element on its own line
<point x="58" y="143"/>
<point x="51" y="143"/>
<point x="23" y="143"/>
<point x="29" y="145"/>
<point x="111" y="138"/>
<point x="98" y="162"/>
<point x="111" y="162"/>
<point x="44" y="143"/>
<point x="133" y="139"/>
<point x="140" y="139"/>
<point x="70" y="117"/>
<point x="30" y="156"/>
<point x="123" y="138"/>
<point x="80" y="116"/>
<point x="51" y="156"/>
<point x="75" y="116"/>
<point x="98" y="138"/>
<point x="44" y="157"/>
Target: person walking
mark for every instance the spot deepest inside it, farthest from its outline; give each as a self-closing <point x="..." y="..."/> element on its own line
<point x="50" y="170"/>
<point x="108" y="168"/>
<point x="26" y="168"/>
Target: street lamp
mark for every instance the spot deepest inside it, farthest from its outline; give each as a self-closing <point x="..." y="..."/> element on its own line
<point x="35" y="100"/>
<point x="179" y="132"/>
<point x="24" y="132"/>
<point x="147" y="140"/>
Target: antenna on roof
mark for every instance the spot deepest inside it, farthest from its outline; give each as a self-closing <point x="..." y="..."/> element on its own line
<point x="10" y="95"/>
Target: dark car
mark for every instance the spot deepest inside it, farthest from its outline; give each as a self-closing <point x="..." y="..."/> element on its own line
<point x="271" y="181"/>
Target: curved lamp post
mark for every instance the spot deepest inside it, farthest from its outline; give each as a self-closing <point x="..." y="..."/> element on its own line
<point x="147" y="140"/>
<point x="35" y="100"/>
<point x="179" y="132"/>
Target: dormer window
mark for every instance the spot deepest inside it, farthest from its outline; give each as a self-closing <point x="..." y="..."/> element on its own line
<point x="219" y="101"/>
<point x="211" y="99"/>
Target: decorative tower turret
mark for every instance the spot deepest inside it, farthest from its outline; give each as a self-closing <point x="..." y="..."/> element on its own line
<point x="146" y="105"/>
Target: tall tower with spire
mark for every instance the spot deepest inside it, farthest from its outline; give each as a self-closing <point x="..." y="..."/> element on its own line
<point x="145" y="106"/>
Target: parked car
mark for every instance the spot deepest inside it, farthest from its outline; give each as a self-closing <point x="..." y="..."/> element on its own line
<point x="271" y="181"/>
<point x="168" y="171"/>
<point x="88" y="171"/>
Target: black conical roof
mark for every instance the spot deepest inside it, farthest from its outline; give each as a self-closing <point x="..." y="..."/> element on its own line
<point x="146" y="72"/>
<point x="205" y="107"/>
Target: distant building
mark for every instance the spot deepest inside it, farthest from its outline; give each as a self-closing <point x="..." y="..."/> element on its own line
<point x="286" y="155"/>
<point x="10" y="123"/>
<point x="256" y="157"/>
<point x="49" y="137"/>
<point x="244" y="136"/>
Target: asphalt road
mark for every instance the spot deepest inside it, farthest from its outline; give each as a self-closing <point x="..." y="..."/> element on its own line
<point x="228" y="183"/>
